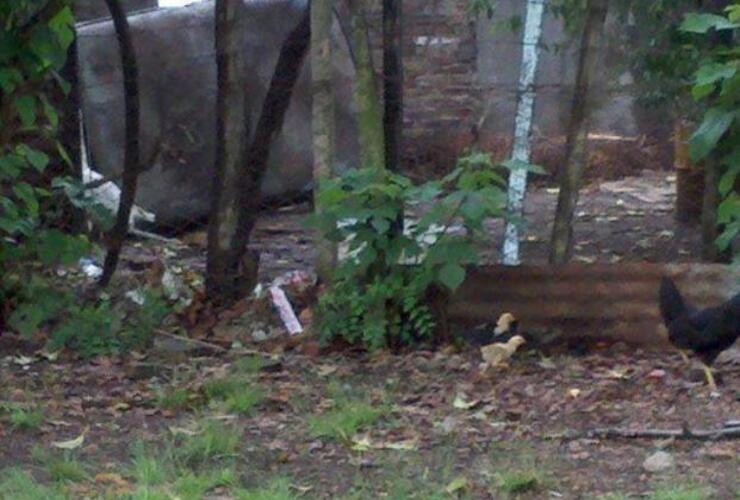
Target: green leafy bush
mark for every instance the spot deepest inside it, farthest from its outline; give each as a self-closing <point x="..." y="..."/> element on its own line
<point x="36" y="190"/>
<point x="380" y="293"/>
<point x="717" y="83"/>
<point x="32" y="162"/>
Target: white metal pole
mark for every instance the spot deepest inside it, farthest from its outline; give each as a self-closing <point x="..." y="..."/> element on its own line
<point x="523" y="126"/>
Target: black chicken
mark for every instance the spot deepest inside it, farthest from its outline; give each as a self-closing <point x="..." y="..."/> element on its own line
<point x="705" y="332"/>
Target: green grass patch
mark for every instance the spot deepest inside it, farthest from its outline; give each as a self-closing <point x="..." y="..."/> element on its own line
<point x="61" y="467"/>
<point x="26" y="419"/>
<point x="278" y="489"/>
<point x="173" y="398"/>
<point x="191" y="485"/>
<point x="351" y="413"/>
<point x="248" y="365"/>
<point x="245" y="400"/>
<point x="215" y="440"/>
<point x="223" y="388"/>
<point x="150" y="469"/>
<point x="345" y="420"/>
<point x="17" y="484"/>
<point x="66" y="470"/>
<point x="680" y="492"/>
<point x="516" y="482"/>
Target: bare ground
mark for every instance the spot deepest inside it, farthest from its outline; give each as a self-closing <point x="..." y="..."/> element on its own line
<point x="512" y="423"/>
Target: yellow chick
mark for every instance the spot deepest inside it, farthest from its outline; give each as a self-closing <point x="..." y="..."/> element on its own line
<point x="495" y="355"/>
<point x="506" y="323"/>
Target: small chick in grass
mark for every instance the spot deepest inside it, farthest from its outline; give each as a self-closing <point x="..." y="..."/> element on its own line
<point x="496" y="355"/>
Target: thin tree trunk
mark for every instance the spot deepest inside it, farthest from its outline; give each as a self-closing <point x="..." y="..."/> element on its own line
<point x="69" y="131"/>
<point x="232" y="135"/>
<point x="131" y="161"/>
<point x="523" y="127"/>
<point x="393" y="82"/>
<point x="576" y="145"/>
<point x="269" y="125"/>
<point x="323" y="123"/>
<point x="370" y="116"/>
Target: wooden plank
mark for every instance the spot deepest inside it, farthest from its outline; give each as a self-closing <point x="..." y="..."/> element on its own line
<point x="611" y="301"/>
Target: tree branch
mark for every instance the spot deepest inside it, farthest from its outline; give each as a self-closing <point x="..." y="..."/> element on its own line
<point x="132" y="160"/>
<point x="685" y="434"/>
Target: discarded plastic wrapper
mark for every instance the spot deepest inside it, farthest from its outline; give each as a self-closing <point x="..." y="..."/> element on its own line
<point x="287" y="315"/>
<point x="90" y="268"/>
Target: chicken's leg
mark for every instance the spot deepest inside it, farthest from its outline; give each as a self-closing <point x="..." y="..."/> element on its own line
<point x="710" y="377"/>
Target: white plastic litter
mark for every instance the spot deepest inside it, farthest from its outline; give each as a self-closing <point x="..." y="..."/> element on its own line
<point x="287" y="315"/>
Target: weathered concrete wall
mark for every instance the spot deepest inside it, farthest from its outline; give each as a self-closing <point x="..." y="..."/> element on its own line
<point x="178" y="87"/>
<point x="86" y="10"/>
<point x="456" y="71"/>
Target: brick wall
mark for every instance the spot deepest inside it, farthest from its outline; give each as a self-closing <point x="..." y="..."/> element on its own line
<point x="441" y="99"/>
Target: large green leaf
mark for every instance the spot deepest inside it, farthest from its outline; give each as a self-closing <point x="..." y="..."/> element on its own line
<point x="451" y="275"/>
<point x="27" y="195"/>
<point x="38" y="159"/>
<point x="702" y="23"/>
<point x="9" y="79"/>
<point x="715" y="124"/>
<point x="714" y="72"/>
<point x="26" y="107"/>
<point x="729" y="209"/>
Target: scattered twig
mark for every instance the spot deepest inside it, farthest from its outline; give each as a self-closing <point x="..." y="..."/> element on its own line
<point x="152" y="236"/>
<point x="197" y="342"/>
<point x="685" y="433"/>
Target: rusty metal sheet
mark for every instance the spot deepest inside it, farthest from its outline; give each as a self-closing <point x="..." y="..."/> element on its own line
<point x="609" y="301"/>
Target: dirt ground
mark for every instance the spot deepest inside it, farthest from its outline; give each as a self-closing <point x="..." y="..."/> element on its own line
<point x="442" y="426"/>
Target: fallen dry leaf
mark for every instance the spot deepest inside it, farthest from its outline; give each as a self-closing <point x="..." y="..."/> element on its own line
<point x="111" y="478"/>
<point x="461" y="404"/>
<point x="70" y="444"/>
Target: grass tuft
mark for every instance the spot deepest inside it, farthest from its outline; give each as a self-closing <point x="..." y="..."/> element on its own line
<point x="248" y="365"/>
<point x="173" y="398"/>
<point x="215" y="440"/>
<point x="346" y="420"/>
<point x="516" y="482"/>
<point x="245" y="401"/>
<point x="26" y="419"/>
<point x="20" y="485"/>
<point x="278" y="489"/>
<point x="681" y="492"/>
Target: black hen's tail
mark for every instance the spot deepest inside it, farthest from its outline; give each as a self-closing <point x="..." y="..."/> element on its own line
<point x="671" y="302"/>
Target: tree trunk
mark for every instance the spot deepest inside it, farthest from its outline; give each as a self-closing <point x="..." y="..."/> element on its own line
<point x="69" y="132"/>
<point x="269" y="125"/>
<point x="689" y="177"/>
<point x="393" y="82"/>
<point x="131" y="163"/>
<point x="323" y="123"/>
<point x="223" y="272"/>
<point x="576" y="146"/>
<point x="370" y="117"/>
